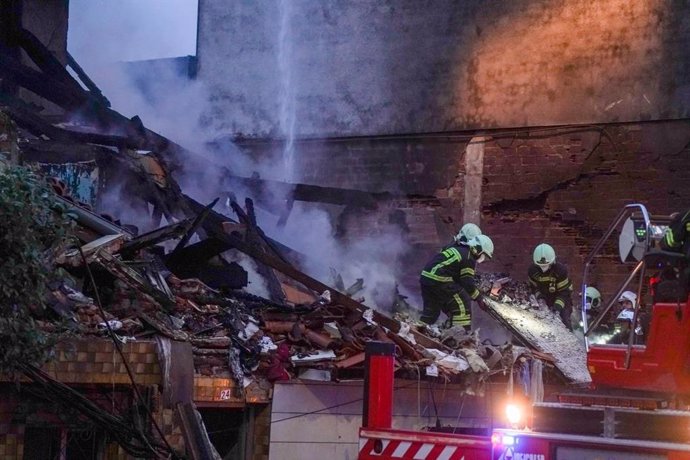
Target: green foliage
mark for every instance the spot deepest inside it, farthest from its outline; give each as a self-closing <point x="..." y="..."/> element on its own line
<point x="32" y="226"/>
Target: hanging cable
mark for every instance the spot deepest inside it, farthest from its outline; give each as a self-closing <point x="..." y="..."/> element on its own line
<point x="116" y="342"/>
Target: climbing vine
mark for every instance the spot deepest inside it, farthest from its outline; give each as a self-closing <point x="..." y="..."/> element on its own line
<point x="32" y="227"/>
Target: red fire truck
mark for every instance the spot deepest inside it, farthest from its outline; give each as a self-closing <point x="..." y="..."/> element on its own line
<point x="637" y="407"/>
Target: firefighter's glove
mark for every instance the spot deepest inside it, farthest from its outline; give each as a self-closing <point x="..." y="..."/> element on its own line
<point x="482" y="302"/>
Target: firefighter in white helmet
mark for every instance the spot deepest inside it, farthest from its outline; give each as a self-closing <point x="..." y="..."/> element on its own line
<point x="549" y="281"/>
<point x="466" y="233"/>
<point x="447" y="281"/>
<point x="624" y="319"/>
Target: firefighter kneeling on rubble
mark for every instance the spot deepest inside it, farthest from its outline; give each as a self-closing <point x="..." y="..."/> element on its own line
<point x="549" y="281"/>
<point x="447" y="281"/>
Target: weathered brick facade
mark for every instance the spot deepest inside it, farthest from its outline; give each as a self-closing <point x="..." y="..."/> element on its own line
<point x="95" y="365"/>
<point x="562" y="186"/>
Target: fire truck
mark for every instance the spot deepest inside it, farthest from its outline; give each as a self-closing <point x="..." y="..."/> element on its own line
<point x="637" y="406"/>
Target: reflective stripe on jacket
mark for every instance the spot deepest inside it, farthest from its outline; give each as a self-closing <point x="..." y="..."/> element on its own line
<point x="553" y="284"/>
<point x="453" y="264"/>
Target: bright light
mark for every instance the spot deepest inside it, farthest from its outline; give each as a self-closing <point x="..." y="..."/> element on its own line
<point x="513" y="413"/>
<point x="500" y="439"/>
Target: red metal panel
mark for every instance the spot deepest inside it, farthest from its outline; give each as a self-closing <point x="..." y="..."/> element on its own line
<point x="661" y="365"/>
<point x="380" y="391"/>
<point x="525" y="445"/>
<point x="378" y="444"/>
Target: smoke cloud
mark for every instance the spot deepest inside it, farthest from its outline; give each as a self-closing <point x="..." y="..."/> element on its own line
<point x="169" y="102"/>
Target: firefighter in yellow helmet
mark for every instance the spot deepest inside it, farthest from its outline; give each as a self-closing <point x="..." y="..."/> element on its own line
<point x="447" y="281"/>
<point x="548" y="280"/>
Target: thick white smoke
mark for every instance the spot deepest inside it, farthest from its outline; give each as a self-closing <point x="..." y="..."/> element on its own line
<point x="175" y="106"/>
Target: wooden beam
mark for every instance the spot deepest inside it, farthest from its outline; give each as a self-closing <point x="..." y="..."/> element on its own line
<point x="156" y="236"/>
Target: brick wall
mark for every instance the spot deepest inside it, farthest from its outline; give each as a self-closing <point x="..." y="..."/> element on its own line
<point x="562" y="187"/>
<point x="566" y="190"/>
<point x="11" y="434"/>
<point x="97" y="361"/>
<point x="261" y="432"/>
<point x="89" y="362"/>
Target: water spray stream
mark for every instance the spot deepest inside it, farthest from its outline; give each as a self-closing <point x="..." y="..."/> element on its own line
<point x="287" y="87"/>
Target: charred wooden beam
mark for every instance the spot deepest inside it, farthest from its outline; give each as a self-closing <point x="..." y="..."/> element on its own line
<point x="133" y="278"/>
<point x="48" y="87"/>
<point x="255" y="238"/>
<point x="311" y="193"/>
<point x="249" y="219"/>
<point x="198" y="220"/>
<point x="156" y="236"/>
<point x="215" y="229"/>
<point x="84" y="78"/>
<point x="218" y="222"/>
<point x="37" y="125"/>
<point x="44" y="58"/>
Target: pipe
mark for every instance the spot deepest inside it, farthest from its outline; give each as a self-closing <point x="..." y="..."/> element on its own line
<point x="378" y="385"/>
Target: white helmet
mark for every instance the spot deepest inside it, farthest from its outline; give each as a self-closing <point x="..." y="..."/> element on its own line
<point x="628" y="296"/>
<point x="544" y="256"/>
<point x="467" y="232"/>
<point x="626" y="315"/>
<point x="592" y="298"/>
<point x="482" y="245"/>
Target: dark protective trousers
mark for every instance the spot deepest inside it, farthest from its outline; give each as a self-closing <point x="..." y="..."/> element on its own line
<point x="449" y="298"/>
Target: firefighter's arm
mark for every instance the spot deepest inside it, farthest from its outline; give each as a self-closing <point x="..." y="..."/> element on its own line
<point x="532" y="283"/>
<point x="563" y="290"/>
<point x="673" y="237"/>
<point x="466" y="280"/>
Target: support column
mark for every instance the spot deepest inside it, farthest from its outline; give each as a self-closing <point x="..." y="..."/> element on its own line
<point x="378" y="385"/>
<point x="474" y="173"/>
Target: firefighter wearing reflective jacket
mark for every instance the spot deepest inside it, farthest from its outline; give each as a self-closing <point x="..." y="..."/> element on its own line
<point x="447" y="281"/>
<point x="549" y="281"/>
<point x="677" y="237"/>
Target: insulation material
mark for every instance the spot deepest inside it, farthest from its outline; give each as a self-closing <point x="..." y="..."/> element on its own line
<point x="543" y="330"/>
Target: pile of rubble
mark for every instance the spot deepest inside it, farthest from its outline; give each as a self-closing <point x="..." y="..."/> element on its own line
<point x="535" y="326"/>
<point x="238" y="334"/>
<point x="128" y="286"/>
<point x="116" y="283"/>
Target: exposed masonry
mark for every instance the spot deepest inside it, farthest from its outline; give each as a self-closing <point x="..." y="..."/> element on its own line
<point x="562" y="186"/>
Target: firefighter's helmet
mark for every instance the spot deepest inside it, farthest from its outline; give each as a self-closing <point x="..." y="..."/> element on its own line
<point x="544" y="256"/>
<point x="482" y="245"/>
<point x="592" y="298"/>
<point x="467" y="232"/>
<point x="628" y="296"/>
<point x="626" y="315"/>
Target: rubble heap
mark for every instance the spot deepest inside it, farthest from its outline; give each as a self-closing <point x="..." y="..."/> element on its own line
<point x="129" y="286"/>
<point x="535" y="325"/>
<point x="238" y="334"/>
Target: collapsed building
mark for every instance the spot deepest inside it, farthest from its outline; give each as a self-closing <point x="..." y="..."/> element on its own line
<point x="158" y="347"/>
